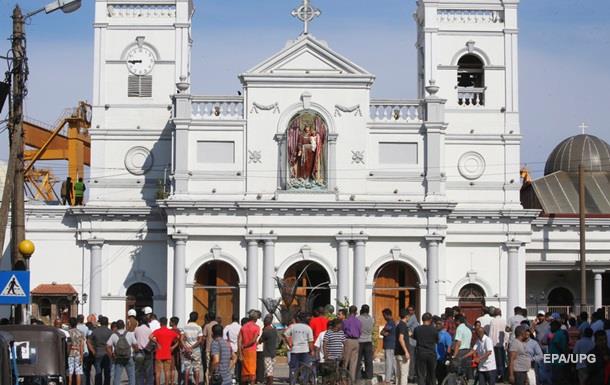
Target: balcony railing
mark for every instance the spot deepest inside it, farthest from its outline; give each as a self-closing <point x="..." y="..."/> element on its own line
<point x="218" y="107"/>
<point x="532" y="310"/>
<point x="396" y="111"/>
<point x="471" y="96"/>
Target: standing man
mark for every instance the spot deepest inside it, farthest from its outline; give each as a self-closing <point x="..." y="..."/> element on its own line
<point x="192" y="338"/>
<point x="443" y="348"/>
<point x="497" y="332"/>
<point x="166" y="341"/>
<point x="176" y="355"/>
<point x="144" y="368"/>
<point x="208" y="338"/>
<point x="120" y="348"/>
<point x="583" y="346"/>
<point x="486" y="361"/>
<point x="352" y="329"/>
<point x="231" y="334"/>
<point x="76" y="343"/>
<point x="519" y="362"/>
<point x="412" y="323"/>
<point x="401" y="351"/>
<point x="318" y="322"/>
<point x="87" y="357"/>
<point x="260" y="358"/>
<point x="461" y="346"/>
<point x="97" y="345"/>
<point x="300" y="343"/>
<point x="248" y="336"/>
<point x="426" y="337"/>
<point x="389" y="342"/>
<point x="365" y="342"/>
<point x="79" y="192"/>
<point x="269" y="339"/>
<point x="66" y="191"/>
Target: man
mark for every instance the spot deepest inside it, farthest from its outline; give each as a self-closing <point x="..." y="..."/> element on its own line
<point x="597" y="321"/>
<point x="192" y="338"/>
<point x="461" y="346"/>
<point x="166" y="341"/>
<point x="389" y="342"/>
<point x="497" y="332"/>
<point x="365" y="342"/>
<point x="484" y="351"/>
<point x="97" y="346"/>
<point x="598" y="369"/>
<point x="144" y="367"/>
<point x="151" y="318"/>
<point x="334" y="338"/>
<point x="132" y="322"/>
<point x="120" y="347"/>
<point x="519" y="360"/>
<point x="79" y="192"/>
<point x="426" y="337"/>
<point x="66" y="191"/>
<point x="300" y="342"/>
<point x="269" y="338"/>
<point x="485" y="319"/>
<point x="514" y="321"/>
<point x="583" y="322"/>
<point x="542" y="327"/>
<point x="87" y="358"/>
<point x="352" y="329"/>
<point x="176" y="355"/>
<point x="536" y="356"/>
<point x="260" y="358"/>
<point x="342" y="315"/>
<point x="583" y="346"/>
<point x="450" y="325"/>
<point x="412" y="323"/>
<point x="248" y="336"/>
<point x="231" y="333"/>
<point x="221" y="356"/>
<point x="318" y="322"/>
<point x="76" y="344"/>
<point x="443" y="348"/>
<point x="401" y="351"/>
<point x="558" y="344"/>
<point x="208" y="338"/>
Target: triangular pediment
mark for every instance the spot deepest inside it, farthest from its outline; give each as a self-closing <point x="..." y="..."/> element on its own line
<point x="307" y="56"/>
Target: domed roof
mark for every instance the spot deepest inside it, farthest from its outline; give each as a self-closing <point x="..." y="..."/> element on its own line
<point x="590" y="150"/>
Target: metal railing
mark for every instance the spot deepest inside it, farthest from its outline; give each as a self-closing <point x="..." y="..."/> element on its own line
<point x="532" y="310"/>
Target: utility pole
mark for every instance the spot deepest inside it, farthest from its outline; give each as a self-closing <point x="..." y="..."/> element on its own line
<point x="583" y="247"/>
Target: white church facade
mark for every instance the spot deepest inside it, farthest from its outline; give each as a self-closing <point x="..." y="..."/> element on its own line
<point x="199" y="202"/>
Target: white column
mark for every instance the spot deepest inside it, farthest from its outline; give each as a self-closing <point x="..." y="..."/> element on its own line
<point x="252" y="274"/>
<point x="342" y="271"/>
<point x="359" y="273"/>
<point x="268" y="270"/>
<point x="598" y="279"/>
<point x="179" y="289"/>
<point x="513" y="276"/>
<point x="432" y="266"/>
<point x="95" y="278"/>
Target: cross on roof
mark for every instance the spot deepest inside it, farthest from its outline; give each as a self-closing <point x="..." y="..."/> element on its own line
<point x="306" y="13"/>
<point x="583" y="127"/>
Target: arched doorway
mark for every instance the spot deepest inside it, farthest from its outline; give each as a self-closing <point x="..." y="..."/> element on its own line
<point x="216" y="290"/>
<point x="312" y="285"/>
<point x="395" y="287"/>
<point x="306" y="152"/>
<point x="561" y="300"/>
<point x="139" y="295"/>
<point x="472" y="302"/>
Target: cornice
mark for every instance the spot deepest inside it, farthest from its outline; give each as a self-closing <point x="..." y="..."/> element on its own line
<point x="114" y="212"/>
<point x="497" y="213"/>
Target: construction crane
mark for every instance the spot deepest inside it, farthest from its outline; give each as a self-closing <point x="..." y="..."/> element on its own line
<point x="68" y="140"/>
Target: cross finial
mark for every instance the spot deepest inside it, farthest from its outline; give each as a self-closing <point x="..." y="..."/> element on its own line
<point x="583" y="127"/>
<point x="306" y="13"/>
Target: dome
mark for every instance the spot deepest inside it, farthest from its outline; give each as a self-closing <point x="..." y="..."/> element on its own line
<point x="590" y="150"/>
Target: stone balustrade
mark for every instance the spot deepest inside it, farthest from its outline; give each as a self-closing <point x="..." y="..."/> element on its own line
<point x="471" y="96"/>
<point x="402" y="111"/>
<point x="217" y="107"/>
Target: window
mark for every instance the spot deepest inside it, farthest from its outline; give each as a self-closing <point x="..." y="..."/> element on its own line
<point x="215" y="152"/>
<point x="397" y="153"/>
<point x="470" y="81"/>
<point x="139" y="86"/>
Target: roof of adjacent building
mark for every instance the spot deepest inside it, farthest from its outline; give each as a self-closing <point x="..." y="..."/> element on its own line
<point x="588" y="150"/>
<point x="54" y="289"/>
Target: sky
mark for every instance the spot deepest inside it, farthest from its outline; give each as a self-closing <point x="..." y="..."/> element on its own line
<point x="564" y="55"/>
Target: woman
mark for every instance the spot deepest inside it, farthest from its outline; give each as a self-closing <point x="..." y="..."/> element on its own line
<point x="221" y="356"/>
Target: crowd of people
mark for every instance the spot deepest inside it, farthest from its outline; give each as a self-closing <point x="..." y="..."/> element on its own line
<point x="550" y="349"/>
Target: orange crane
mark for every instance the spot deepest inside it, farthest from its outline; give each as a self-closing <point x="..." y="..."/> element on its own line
<point x="68" y="139"/>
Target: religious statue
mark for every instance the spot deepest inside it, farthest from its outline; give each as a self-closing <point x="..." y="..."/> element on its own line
<point x="307" y="152"/>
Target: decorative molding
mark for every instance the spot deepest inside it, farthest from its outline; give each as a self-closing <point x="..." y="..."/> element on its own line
<point x="467" y="16"/>
<point x="353" y="109"/>
<point x="254" y="156"/>
<point x="256" y="107"/>
<point x="471" y="165"/>
<point x="358" y="156"/>
<point x="306" y="99"/>
<point x="132" y="11"/>
<point x="139" y="160"/>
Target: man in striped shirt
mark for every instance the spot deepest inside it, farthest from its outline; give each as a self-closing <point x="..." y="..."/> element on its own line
<point x="333" y="341"/>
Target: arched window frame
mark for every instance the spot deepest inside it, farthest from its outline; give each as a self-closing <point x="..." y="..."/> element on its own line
<point x="472" y="94"/>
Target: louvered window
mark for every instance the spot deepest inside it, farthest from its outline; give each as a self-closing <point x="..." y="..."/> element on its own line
<point x="139" y="86"/>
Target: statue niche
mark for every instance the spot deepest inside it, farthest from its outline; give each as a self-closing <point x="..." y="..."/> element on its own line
<point x="306" y="141"/>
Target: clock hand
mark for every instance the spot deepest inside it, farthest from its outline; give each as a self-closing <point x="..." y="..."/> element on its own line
<point x="134" y="61"/>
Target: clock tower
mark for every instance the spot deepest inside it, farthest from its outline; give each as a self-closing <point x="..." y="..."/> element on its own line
<point x="142" y="49"/>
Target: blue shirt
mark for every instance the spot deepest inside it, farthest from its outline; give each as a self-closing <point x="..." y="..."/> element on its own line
<point x="444" y="342"/>
<point x="389" y="341"/>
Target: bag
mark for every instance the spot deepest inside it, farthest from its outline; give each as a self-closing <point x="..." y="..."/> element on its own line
<point x="122" y="349"/>
<point x="216" y="379"/>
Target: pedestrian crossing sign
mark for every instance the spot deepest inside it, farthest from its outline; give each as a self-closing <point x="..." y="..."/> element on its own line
<point x="15" y="287"/>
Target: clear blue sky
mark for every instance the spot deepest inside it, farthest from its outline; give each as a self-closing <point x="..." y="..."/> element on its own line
<point x="564" y="56"/>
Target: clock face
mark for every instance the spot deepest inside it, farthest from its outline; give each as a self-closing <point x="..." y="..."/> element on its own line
<point x="140" y="61"/>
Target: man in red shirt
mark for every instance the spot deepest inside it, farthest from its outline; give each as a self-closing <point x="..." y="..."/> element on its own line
<point x="318" y="323"/>
<point x="248" y="336"/>
<point x="167" y="340"/>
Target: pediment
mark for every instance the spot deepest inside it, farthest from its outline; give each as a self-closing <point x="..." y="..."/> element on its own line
<point x="307" y="56"/>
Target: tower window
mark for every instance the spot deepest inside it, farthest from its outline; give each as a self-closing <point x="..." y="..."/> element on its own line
<point x="139" y="86"/>
<point x="471" y="81"/>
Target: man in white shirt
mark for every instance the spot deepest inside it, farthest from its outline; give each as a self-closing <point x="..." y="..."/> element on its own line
<point x="192" y="338"/>
<point x="114" y="351"/>
<point x="486" y="359"/>
<point x="144" y="368"/>
<point x="485" y="319"/>
<point x="231" y="332"/>
<point x="153" y="323"/>
<point x="497" y="333"/>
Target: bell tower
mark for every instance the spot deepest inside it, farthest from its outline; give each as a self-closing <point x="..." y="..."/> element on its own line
<point x="142" y="49"/>
<point x="469" y="49"/>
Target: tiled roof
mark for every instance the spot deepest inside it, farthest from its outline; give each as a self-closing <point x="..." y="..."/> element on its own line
<point x="54" y="289"/>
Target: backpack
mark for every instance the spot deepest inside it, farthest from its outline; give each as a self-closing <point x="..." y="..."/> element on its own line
<point x="122" y="349"/>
